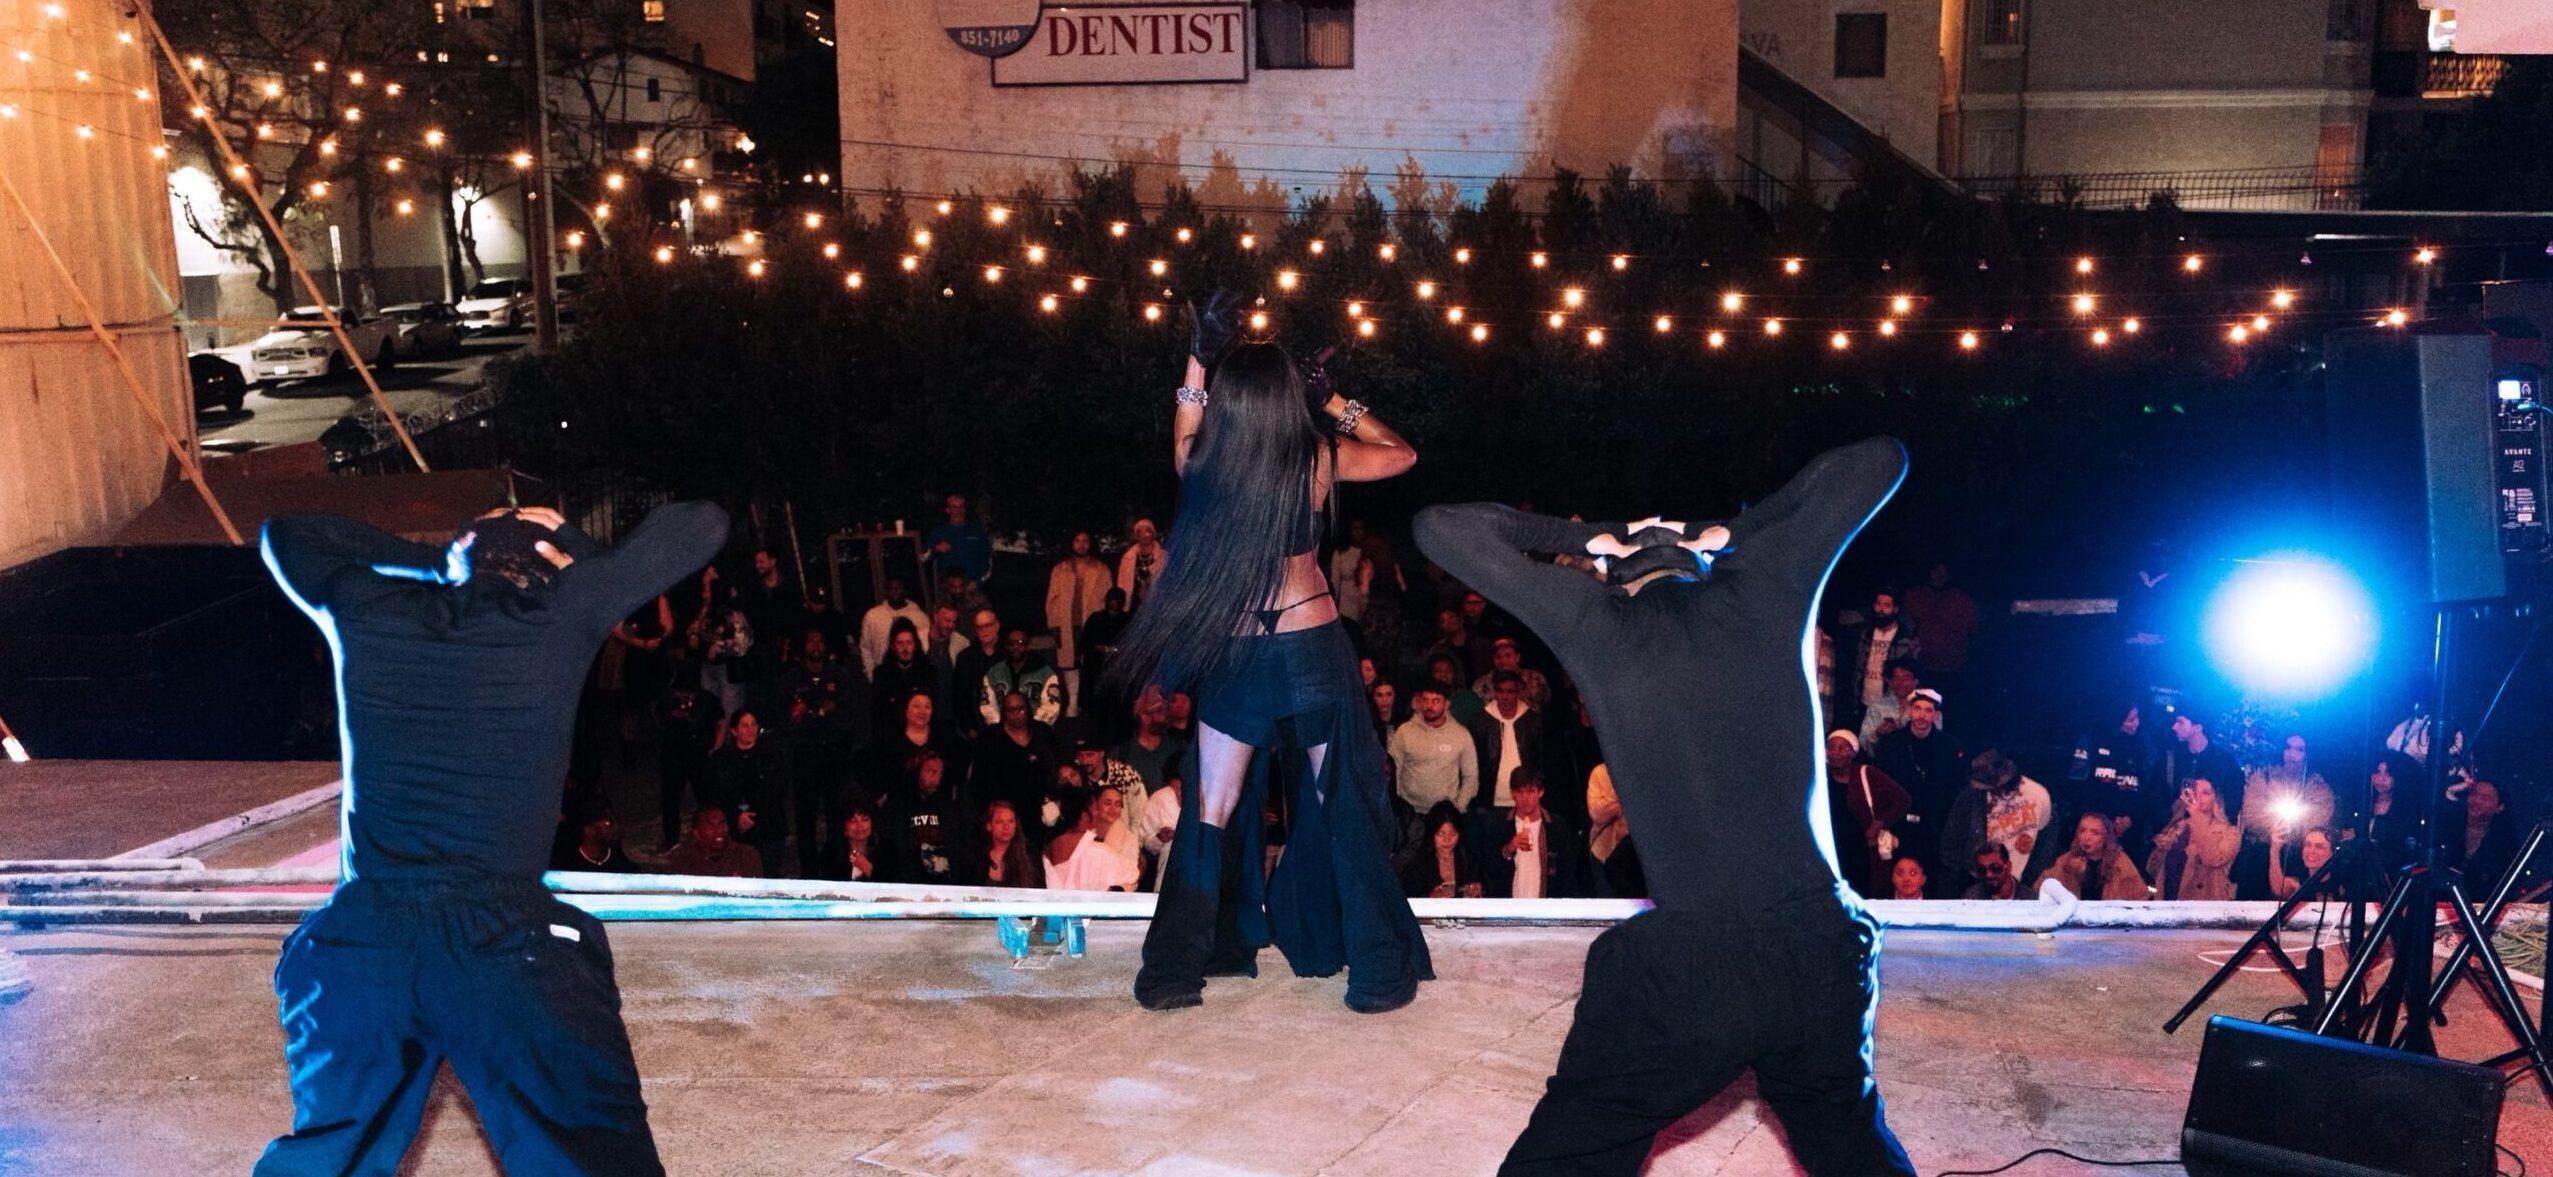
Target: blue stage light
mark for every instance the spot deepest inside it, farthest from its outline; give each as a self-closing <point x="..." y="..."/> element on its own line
<point x="2290" y="625"/>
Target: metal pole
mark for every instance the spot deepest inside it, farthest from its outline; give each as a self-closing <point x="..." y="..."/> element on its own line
<point x="538" y="223"/>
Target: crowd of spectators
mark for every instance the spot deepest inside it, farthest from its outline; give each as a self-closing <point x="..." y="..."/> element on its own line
<point x="948" y="743"/>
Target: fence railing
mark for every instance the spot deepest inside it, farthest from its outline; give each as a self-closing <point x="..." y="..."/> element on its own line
<point x="2238" y="189"/>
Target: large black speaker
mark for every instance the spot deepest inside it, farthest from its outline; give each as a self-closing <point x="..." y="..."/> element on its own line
<point x="2409" y="421"/>
<point x="2274" y="1100"/>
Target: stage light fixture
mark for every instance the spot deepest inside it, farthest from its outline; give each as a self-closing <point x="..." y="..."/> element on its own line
<point x="2291" y="625"/>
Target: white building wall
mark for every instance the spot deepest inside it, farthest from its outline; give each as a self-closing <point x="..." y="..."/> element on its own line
<point x="1461" y="90"/>
<point x="1903" y="106"/>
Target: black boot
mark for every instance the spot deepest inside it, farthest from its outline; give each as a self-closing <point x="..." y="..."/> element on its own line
<point x="1182" y="933"/>
<point x="1233" y="955"/>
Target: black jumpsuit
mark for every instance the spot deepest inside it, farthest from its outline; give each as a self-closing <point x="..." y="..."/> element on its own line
<point x="457" y="703"/>
<point x="1756" y="955"/>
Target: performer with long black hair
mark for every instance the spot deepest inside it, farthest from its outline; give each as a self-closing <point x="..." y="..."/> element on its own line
<point x="1693" y="657"/>
<point x="1241" y="618"/>
<point x="457" y="677"/>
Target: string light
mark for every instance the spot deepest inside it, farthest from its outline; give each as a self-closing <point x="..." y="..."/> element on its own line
<point x="523" y="160"/>
<point x="992" y="273"/>
<point x="1115" y="228"/>
<point x="689" y="164"/>
<point x="1184" y="235"/>
<point x="8" y="110"/>
<point x="2132" y="326"/>
<point x="709" y="201"/>
<point x="1287" y="279"/>
<point x="575" y="238"/>
<point x="406" y="207"/>
<point x="1426" y="290"/>
<point x="1159" y="267"/>
<point x="54" y="11"/>
<point x="328" y="147"/>
<point x="124" y="37"/>
<point x="394" y="90"/>
<point x="614" y="182"/>
<point x="394" y="165"/>
<point x="1365" y="328"/>
<point x="853" y="281"/>
<point x="1573" y="298"/>
<point x="434" y="138"/>
<point x="159" y="151"/>
<point x="1663" y="324"/>
<point x="2100" y="337"/>
<point x="1249" y="241"/>
<point x="1152" y="312"/>
<point x="1049" y="303"/>
<point x="755" y="268"/>
<point x="80" y="75"/>
<point x="1454" y="315"/>
<point x="642" y="154"/>
<point x="141" y="93"/>
<point x="265" y="130"/>
<point x="1839" y="341"/>
<point x="1540" y="259"/>
<point x="238" y="171"/>
<point x="355" y="78"/>
<point x="1081" y="285"/>
<point x="2396" y="317"/>
<point x="1557" y="320"/>
<point x="2260" y="322"/>
<point x="909" y="263"/>
<point x="1791" y="266"/>
<point x="86" y="131"/>
<point x="2083" y="304"/>
<point x="2283" y="299"/>
<point x="1037" y="255"/>
<point x="1258" y="320"/>
<point x="752" y="237"/>
<point x="664" y="255"/>
<point x="1463" y="256"/>
<point x="1621" y="262"/>
<point x="2426" y="255"/>
<point x="2193" y="263"/>
<point x="2083" y="265"/>
<point x="812" y="220"/>
<point x="353" y="114"/>
<point x="195" y="64"/>
<point x="1387" y="251"/>
<point x="998" y="215"/>
<point x="1732" y="302"/>
<point x="1595" y="337"/>
<point x="1903" y="304"/>
<point x="1480" y="333"/>
<point x="2238" y="333"/>
<point x="1888" y="327"/>
<point x="602" y="212"/>
<point x="271" y="89"/>
<point x="832" y="250"/>
<point x="1967" y="341"/>
<point x="1356" y="310"/>
<point x="1772" y="326"/>
<point x="199" y="112"/>
<point x="1716" y="339"/>
<point x="921" y="239"/>
<point x="318" y="188"/>
<point x="1318" y="247"/>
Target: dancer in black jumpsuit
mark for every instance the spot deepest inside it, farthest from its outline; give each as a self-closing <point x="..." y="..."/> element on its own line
<point x="1756" y="955"/>
<point x="458" y="672"/>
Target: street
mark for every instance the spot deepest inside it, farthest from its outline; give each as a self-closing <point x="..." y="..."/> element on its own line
<point x="298" y="411"/>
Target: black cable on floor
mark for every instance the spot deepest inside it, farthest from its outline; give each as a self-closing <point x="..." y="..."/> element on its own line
<point x="2056" y="1152"/>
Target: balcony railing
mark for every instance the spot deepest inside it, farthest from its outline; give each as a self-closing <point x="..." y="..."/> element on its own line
<point x="2325" y="189"/>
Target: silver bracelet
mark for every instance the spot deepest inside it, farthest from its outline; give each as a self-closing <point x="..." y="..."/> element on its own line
<point x="1349" y="416"/>
<point x="1189" y="395"/>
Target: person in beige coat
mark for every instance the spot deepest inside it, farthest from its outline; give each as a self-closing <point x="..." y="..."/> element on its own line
<point x="2093" y="867"/>
<point x="1074" y="590"/>
<point x="2193" y="856"/>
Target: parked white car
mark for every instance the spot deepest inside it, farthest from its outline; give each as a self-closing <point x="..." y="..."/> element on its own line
<point x="497" y="304"/>
<point x="425" y="328"/>
<point x="301" y="347"/>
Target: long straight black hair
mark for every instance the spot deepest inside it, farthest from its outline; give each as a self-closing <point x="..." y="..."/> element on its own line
<point x="1245" y="504"/>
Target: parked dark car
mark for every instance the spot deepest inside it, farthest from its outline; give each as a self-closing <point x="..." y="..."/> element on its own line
<point x="218" y="382"/>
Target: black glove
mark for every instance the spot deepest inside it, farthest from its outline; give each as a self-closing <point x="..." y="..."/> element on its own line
<point x="1318" y="382"/>
<point x="1213" y="330"/>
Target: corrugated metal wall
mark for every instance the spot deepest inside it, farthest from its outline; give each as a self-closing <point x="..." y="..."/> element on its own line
<point x="77" y="456"/>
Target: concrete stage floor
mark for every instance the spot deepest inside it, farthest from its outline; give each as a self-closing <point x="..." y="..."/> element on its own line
<point x="910" y="1047"/>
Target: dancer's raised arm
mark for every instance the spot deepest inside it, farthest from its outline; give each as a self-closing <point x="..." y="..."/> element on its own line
<point x="671" y="543"/>
<point x="1795" y="534"/>
<point x="316" y="557"/>
<point x="1499" y="552"/>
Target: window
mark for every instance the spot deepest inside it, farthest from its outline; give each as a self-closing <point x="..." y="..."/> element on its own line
<point x="652" y="11"/>
<point x="1307" y="34"/>
<point x="1861" y="45"/>
<point x="655" y="90"/>
<point x="476" y="9"/>
<point x="1999" y="22"/>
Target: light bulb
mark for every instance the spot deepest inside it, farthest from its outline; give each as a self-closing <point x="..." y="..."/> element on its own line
<point x="1480" y="333"/>
<point x="1356" y="310"/>
<point x="1453" y="314"/>
<point x="2083" y="304"/>
<point x="1772" y="326"/>
<point x="1286" y="279"/>
<point x="1888" y="327"/>
<point x="2282" y="299"/>
<point x="1387" y="251"/>
<point x="1839" y="341"/>
<point x="992" y="273"/>
<point x="1159" y="267"/>
<point x="1903" y="304"/>
<point x="2083" y="265"/>
<point x="1717" y="339"/>
<point x="921" y="238"/>
<point x="1081" y="285"/>
<point x="2193" y="263"/>
<point x="1152" y="312"/>
<point x="1573" y="298"/>
<point x="1463" y="256"/>
<point x="1621" y="262"/>
<point x="1365" y="328"/>
<point x="1249" y="241"/>
<point x="1791" y="266"/>
<point x="1595" y="337"/>
<point x="1541" y="259"/>
<point x="1557" y="320"/>
<point x="1732" y="301"/>
<point x="1318" y="247"/>
<point x="1037" y="255"/>
<point x="1048" y="303"/>
<point x="1426" y="290"/>
<point x="664" y="254"/>
<point x="2132" y="326"/>
<point x="853" y="280"/>
<point x="832" y="250"/>
<point x="1117" y="228"/>
<point x="1967" y="341"/>
<point x="1258" y="320"/>
<point x="1663" y="324"/>
<point x="755" y="268"/>
<point x="2100" y="337"/>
